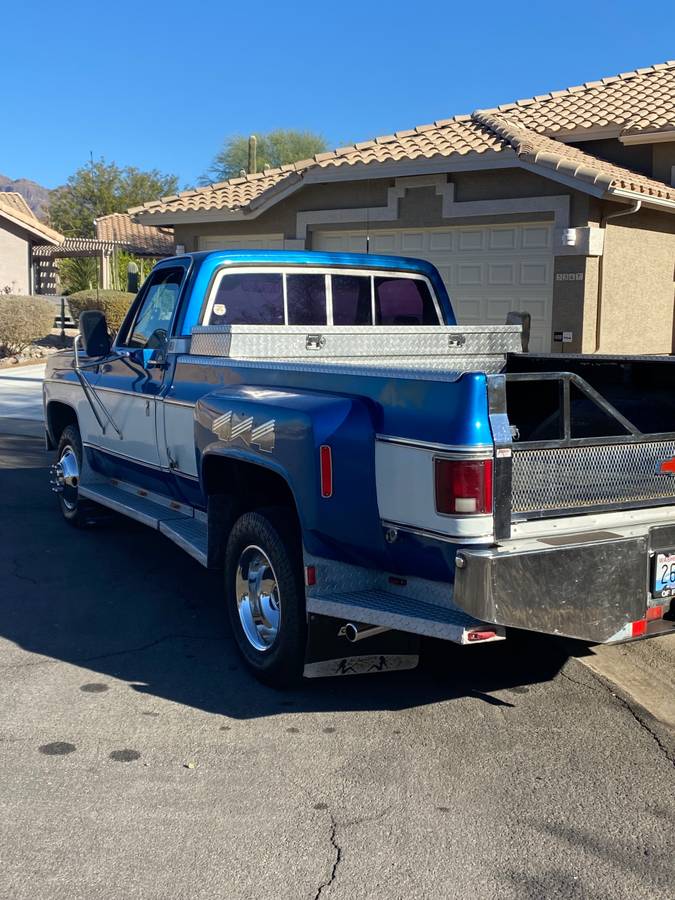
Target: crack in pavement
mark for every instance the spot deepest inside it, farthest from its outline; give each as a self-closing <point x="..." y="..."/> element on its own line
<point x="337" y="861"/>
<point x="613" y="690"/>
<point x="141" y="649"/>
<point x="15" y="573"/>
<point x="338" y="849"/>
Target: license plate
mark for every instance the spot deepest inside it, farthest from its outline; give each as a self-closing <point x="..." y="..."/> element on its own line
<point x="663" y="579"/>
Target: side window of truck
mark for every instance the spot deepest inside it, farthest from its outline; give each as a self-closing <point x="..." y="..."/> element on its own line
<point x="150" y="326"/>
<point x="249" y="298"/>
<point x="403" y="301"/>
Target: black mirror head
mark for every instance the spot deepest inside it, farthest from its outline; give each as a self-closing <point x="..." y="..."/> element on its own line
<point x="94" y="331"/>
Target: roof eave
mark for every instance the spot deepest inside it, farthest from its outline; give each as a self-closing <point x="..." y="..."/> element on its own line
<point x="43" y="232"/>
<point x="649" y="137"/>
<point x="660" y="203"/>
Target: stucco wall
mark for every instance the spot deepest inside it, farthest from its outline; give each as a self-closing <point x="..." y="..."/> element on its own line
<point x="14" y="256"/>
<point x="638" y="289"/>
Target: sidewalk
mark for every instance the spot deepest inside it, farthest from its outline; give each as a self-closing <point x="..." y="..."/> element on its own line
<point x="21" y="400"/>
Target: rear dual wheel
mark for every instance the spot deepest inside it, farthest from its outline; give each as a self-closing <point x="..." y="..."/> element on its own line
<point x="265" y="594"/>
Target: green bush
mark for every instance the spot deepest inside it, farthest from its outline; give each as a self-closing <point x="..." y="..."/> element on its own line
<point x="22" y="321"/>
<point x="113" y="303"/>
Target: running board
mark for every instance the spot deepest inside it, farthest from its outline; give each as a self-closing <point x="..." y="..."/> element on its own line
<point x="396" y="611"/>
<point x="181" y="523"/>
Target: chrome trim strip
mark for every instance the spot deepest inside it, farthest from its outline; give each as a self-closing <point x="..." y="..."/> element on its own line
<point x="165" y="470"/>
<point x="439" y="536"/>
<point x="170" y="402"/>
<point x="141" y="462"/>
<point x="465" y="451"/>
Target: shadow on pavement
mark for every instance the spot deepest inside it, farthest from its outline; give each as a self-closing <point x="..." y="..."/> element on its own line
<point x="123" y="601"/>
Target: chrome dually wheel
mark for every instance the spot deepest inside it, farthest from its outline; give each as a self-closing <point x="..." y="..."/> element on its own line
<point x="258" y="598"/>
<point x="265" y="593"/>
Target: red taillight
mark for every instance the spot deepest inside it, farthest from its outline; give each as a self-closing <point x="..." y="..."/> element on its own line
<point x="655" y="612"/>
<point x="326" y="465"/>
<point x="463" y="486"/>
<point x="638" y="628"/>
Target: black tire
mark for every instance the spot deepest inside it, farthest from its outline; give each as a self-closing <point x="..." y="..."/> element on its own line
<point x="77" y="512"/>
<point x="275" y="532"/>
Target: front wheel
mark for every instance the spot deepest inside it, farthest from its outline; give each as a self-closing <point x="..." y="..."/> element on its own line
<point x="265" y="594"/>
<point x="65" y="479"/>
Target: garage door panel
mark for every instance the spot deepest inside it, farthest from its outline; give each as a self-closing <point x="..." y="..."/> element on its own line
<point x="501" y="273"/>
<point x="470" y="274"/>
<point x="470" y="240"/>
<point x="412" y="242"/>
<point x="502" y="239"/>
<point x="534" y="273"/>
<point x="488" y="270"/>
<point x="536" y="237"/>
<point x="439" y="240"/>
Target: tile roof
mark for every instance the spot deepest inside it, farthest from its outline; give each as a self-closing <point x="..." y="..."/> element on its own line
<point x="145" y="240"/>
<point x="543" y="151"/>
<point x="642" y="100"/>
<point x="16" y="201"/>
<point x="639" y="101"/>
<point x="14" y="207"/>
<point x="460" y="135"/>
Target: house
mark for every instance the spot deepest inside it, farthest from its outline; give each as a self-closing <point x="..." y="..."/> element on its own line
<point x="560" y="205"/>
<point x="115" y="232"/>
<point x="20" y="232"/>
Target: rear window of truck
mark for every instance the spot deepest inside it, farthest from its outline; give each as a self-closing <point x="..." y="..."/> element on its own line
<point x="320" y="298"/>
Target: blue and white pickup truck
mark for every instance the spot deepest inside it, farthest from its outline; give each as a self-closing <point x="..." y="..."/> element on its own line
<point x="364" y="470"/>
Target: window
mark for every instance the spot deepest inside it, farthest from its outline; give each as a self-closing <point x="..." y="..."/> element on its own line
<point x="306" y="299"/>
<point x="152" y="323"/>
<point x="403" y="301"/>
<point x="352" y="303"/>
<point x="255" y="298"/>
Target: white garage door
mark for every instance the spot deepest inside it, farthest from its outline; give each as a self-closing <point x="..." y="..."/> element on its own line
<point x="488" y="270"/>
<point x="242" y="242"/>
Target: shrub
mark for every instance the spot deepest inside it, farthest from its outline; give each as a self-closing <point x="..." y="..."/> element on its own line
<point x="22" y="321"/>
<point x="113" y="303"/>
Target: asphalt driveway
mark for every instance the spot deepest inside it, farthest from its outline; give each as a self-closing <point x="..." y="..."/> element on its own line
<point x="139" y="759"/>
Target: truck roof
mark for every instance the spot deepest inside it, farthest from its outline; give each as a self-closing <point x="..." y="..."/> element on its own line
<point x="315" y="258"/>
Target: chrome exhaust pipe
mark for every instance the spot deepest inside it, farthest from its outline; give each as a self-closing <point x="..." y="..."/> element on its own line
<point x="352" y="634"/>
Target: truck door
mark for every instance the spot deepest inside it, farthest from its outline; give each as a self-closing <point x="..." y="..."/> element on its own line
<point x="129" y="384"/>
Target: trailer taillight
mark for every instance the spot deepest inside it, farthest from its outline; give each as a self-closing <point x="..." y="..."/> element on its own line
<point x="463" y="486"/>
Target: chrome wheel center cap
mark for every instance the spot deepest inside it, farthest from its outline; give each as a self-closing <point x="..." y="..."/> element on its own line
<point x="258" y="600"/>
<point x="65" y="477"/>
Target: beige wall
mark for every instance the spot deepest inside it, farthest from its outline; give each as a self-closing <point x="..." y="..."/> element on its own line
<point x="14" y="259"/>
<point x="638" y="290"/>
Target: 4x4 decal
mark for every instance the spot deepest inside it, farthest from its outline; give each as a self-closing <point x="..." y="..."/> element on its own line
<point x="231" y="426"/>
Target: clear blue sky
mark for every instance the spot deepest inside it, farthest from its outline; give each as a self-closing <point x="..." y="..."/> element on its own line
<point x="159" y="85"/>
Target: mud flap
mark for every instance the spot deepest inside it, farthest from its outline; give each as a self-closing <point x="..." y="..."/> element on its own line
<point x="327" y="653"/>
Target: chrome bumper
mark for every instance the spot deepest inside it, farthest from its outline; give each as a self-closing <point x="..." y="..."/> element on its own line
<point x="587" y="586"/>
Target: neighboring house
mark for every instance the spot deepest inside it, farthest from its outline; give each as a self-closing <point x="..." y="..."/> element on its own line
<point x="561" y="205"/>
<point x="114" y="232"/>
<point x="20" y="232"/>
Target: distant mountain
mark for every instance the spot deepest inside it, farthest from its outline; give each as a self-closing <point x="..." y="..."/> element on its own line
<point x="35" y="195"/>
